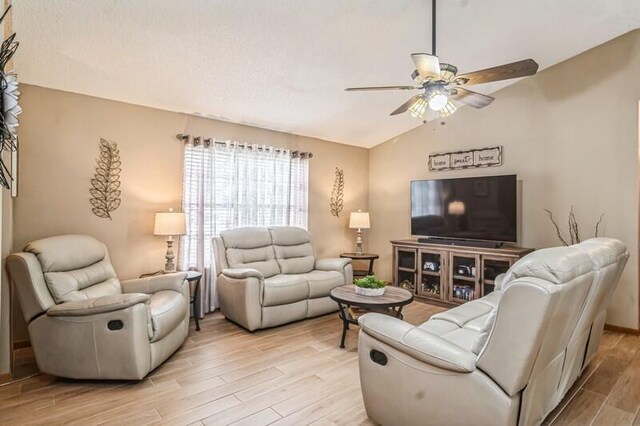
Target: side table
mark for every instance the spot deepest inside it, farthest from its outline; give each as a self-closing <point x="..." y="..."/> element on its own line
<point x="371" y="257"/>
<point x="390" y="303"/>
<point x="193" y="277"/>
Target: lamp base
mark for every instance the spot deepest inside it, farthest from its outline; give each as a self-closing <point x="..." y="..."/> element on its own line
<point x="359" y="242"/>
<point x="170" y="266"/>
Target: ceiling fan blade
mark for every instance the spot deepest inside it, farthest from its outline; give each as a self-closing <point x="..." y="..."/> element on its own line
<point x="355" y="89"/>
<point x="503" y="72"/>
<point x="428" y="66"/>
<point x="467" y="97"/>
<point x="405" y="106"/>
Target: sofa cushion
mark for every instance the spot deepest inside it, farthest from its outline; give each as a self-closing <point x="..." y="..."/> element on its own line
<point x="462" y="328"/>
<point x="293" y="249"/>
<point x="557" y="265"/>
<point x="461" y="315"/>
<point x="298" y="259"/>
<point x="168" y="309"/>
<point x="478" y="324"/>
<point x="438" y="326"/>
<point x="282" y="289"/>
<point x="463" y="337"/>
<point x="66" y="252"/>
<point x="288" y="235"/>
<point x="468" y="325"/>
<point x="602" y="251"/>
<point x="250" y="248"/>
<point x="321" y="282"/>
<point x="262" y="259"/>
<point x="246" y="238"/>
<point x="76" y="267"/>
<point x="93" y="281"/>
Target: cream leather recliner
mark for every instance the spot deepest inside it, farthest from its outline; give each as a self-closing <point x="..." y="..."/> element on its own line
<point x="84" y="323"/>
<point x="505" y="359"/>
<point x="270" y="276"/>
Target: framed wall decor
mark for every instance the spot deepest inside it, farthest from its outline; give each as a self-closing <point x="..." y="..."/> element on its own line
<point x="473" y="158"/>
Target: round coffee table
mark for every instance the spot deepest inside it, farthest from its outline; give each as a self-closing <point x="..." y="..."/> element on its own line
<point x="390" y="303"/>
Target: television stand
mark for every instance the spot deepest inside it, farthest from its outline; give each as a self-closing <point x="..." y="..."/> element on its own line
<point x="450" y="272"/>
<point x="462" y="243"/>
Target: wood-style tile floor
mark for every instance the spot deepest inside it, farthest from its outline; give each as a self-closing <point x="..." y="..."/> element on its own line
<point x="290" y="375"/>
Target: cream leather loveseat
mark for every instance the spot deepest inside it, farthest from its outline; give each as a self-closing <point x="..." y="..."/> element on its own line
<point x="270" y="276"/>
<point x="505" y="359"/>
<point x="86" y="324"/>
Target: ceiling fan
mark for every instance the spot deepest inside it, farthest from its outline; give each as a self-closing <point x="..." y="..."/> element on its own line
<point x="441" y="86"/>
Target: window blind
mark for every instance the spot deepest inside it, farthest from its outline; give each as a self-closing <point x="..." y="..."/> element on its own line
<point x="230" y="185"/>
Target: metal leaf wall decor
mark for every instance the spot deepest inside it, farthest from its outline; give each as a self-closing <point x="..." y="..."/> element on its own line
<point x="9" y="108"/>
<point x="105" y="185"/>
<point x="337" y="193"/>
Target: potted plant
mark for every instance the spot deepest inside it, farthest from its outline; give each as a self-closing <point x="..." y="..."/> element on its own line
<point x="370" y="286"/>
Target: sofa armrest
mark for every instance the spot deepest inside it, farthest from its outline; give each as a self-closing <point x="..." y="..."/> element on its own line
<point x="97" y="305"/>
<point x="241" y="299"/>
<point x="332" y="264"/>
<point x="150" y="285"/>
<point x="498" y="282"/>
<point x="242" y="273"/>
<point x="417" y="343"/>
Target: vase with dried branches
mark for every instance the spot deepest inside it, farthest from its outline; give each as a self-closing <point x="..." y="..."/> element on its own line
<point x="105" y="192"/>
<point x="337" y="194"/>
<point x="574" y="229"/>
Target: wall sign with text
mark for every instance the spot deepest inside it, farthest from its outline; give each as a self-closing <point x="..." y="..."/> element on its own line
<point x="473" y="158"/>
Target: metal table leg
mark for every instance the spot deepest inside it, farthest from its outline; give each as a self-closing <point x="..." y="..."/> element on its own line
<point x="196" y="304"/>
<point x="371" y="267"/>
<point x="345" y="324"/>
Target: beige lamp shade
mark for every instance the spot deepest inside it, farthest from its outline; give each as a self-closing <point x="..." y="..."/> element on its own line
<point x="170" y="223"/>
<point x="359" y="220"/>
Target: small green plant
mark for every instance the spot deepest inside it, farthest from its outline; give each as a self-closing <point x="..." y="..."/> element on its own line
<point x="370" y="281"/>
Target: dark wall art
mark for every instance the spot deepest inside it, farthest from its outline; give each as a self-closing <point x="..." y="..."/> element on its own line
<point x="10" y="111"/>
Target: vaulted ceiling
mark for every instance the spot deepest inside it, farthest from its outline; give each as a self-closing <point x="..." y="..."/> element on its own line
<point x="284" y="64"/>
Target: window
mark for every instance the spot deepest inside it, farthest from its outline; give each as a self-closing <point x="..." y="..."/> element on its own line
<point x="230" y="185"/>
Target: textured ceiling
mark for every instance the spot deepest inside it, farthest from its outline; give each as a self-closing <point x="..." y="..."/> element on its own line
<point x="283" y="64"/>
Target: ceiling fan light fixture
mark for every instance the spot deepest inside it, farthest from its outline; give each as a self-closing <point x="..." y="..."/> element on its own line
<point x="438" y="101"/>
<point x="419" y="107"/>
<point x="448" y="110"/>
<point x="440" y="84"/>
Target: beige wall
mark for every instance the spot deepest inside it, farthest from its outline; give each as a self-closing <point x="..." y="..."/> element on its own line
<point x="570" y="134"/>
<point x="59" y="134"/>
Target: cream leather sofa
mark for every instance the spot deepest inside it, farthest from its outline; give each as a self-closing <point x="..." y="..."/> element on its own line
<point x="86" y="324"/>
<point x="505" y="359"/>
<point x="270" y="276"/>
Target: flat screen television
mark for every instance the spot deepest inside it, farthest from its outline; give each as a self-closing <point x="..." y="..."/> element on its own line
<point x="472" y="209"/>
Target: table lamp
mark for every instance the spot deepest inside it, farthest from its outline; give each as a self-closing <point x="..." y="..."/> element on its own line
<point x="359" y="220"/>
<point x="170" y="224"/>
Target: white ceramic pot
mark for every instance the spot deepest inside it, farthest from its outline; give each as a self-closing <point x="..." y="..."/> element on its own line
<point x="370" y="291"/>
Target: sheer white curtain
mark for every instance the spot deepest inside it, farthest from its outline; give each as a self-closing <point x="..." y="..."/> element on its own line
<point x="230" y="185"/>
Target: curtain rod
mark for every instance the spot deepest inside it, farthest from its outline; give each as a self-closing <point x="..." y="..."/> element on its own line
<point x="208" y="141"/>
